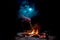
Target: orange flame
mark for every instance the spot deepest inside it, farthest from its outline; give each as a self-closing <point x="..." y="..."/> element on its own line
<point x="34" y="30"/>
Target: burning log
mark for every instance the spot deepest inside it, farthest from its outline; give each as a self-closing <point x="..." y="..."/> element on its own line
<point x="27" y="37"/>
<point x="22" y="36"/>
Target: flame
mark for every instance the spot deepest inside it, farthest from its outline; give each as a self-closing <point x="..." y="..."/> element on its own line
<point x="34" y="30"/>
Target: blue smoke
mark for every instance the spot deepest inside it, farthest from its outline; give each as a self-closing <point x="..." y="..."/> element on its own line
<point x="27" y="10"/>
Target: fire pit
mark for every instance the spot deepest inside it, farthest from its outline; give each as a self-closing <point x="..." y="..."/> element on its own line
<point x="22" y="36"/>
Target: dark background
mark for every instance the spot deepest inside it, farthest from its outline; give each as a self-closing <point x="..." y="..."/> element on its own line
<point x="47" y="17"/>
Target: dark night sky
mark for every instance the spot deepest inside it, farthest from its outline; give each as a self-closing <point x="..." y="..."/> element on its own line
<point x="46" y="17"/>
